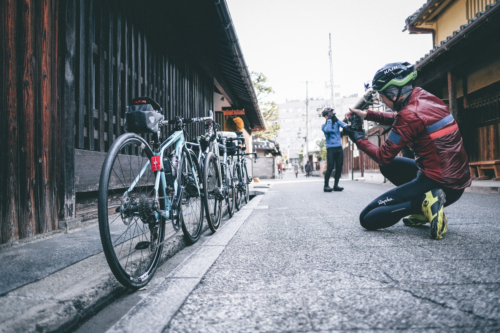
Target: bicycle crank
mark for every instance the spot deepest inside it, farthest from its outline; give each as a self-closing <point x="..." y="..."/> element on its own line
<point x="217" y="193"/>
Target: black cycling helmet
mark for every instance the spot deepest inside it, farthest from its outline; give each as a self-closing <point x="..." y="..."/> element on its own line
<point x="397" y="74"/>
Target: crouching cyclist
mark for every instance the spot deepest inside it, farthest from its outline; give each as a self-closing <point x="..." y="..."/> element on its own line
<point x="440" y="172"/>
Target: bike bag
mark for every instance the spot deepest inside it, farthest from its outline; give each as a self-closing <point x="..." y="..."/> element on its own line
<point x="231" y="148"/>
<point x="143" y="116"/>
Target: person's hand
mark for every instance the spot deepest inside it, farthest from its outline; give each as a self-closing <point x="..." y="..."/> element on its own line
<point x="353" y="135"/>
<point x="360" y="113"/>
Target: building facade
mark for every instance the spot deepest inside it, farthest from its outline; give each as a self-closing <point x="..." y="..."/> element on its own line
<point x="68" y="70"/>
<point x="463" y="69"/>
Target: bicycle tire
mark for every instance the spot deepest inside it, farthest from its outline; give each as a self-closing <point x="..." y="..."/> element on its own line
<point x="238" y="186"/>
<point x="145" y="242"/>
<point x="230" y="197"/>
<point x="211" y="180"/>
<point x="191" y="204"/>
<point x="247" y="183"/>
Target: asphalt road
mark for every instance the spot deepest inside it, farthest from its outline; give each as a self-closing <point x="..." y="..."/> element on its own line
<point x="300" y="262"/>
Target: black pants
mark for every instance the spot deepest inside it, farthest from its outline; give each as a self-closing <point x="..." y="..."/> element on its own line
<point x="405" y="199"/>
<point x="334" y="159"/>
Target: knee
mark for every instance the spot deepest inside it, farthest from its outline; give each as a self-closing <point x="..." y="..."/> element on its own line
<point x="363" y="221"/>
<point x="386" y="169"/>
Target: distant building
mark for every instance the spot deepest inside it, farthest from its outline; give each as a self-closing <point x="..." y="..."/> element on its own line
<point x="292" y="118"/>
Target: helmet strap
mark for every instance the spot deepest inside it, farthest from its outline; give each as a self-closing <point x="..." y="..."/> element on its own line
<point x="396" y="105"/>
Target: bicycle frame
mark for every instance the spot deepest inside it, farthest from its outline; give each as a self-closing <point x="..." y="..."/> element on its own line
<point x="179" y="140"/>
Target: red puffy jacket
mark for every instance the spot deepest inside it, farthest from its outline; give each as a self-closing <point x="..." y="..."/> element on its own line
<point x="426" y="126"/>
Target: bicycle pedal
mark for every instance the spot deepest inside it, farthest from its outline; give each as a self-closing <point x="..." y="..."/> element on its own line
<point x="142" y="245"/>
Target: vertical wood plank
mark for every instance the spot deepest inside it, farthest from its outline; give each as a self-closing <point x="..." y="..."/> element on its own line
<point x="133" y="74"/>
<point x="56" y="90"/>
<point x="80" y="83"/>
<point x="66" y="157"/>
<point x="139" y="67"/>
<point x="101" y="76"/>
<point x="90" y="74"/>
<point x="110" y="81"/>
<point x="145" y="57"/>
<point x="452" y="94"/>
<point x="126" y="74"/>
<point x="26" y="112"/>
<point x="45" y="37"/>
<point x="118" y="74"/>
<point x="9" y="190"/>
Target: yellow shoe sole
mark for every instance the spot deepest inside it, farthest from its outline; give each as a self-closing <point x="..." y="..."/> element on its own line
<point x="433" y="209"/>
<point x="415" y="220"/>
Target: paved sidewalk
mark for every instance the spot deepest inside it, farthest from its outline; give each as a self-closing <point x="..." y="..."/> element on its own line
<point x="301" y="262"/>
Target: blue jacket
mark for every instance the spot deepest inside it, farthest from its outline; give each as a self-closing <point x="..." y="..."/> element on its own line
<point x="332" y="133"/>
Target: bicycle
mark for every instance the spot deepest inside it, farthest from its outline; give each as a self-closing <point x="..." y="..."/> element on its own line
<point x="218" y="187"/>
<point x="139" y="189"/>
<point x="240" y="173"/>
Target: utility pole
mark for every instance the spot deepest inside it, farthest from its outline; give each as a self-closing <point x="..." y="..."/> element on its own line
<point x="332" y="96"/>
<point x="306" y="150"/>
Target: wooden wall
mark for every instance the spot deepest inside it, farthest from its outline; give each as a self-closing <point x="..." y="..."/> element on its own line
<point x="29" y="112"/>
<point x="119" y="56"/>
<point x="68" y="70"/>
<point x="480" y="128"/>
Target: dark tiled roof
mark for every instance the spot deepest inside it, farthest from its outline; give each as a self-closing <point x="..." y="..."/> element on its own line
<point x="457" y="34"/>
<point x="410" y="20"/>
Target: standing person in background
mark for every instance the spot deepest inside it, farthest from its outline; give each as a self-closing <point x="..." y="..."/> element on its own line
<point x="334" y="155"/>
<point x="280" y="169"/>
<point x="308" y="168"/>
<point x="296" y="169"/>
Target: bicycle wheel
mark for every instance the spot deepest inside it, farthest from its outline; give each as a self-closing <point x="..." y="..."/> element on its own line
<point x="247" y="183"/>
<point x="230" y="194"/>
<point x="238" y="187"/>
<point x="131" y="234"/>
<point x="191" y="207"/>
<point x="212" y="191"/>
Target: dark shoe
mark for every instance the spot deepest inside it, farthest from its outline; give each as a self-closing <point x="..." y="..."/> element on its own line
<point x="433" y="209"/>
<point x="338" y="188"/>
<point x="327" y="189"/>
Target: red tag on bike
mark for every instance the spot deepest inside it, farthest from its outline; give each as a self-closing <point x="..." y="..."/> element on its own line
<point x="156" y="163"/>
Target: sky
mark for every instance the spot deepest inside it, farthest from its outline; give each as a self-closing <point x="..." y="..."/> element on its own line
<point x="287" y="40"/>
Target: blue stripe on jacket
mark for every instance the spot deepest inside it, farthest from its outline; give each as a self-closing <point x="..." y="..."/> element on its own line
<point x="437" y="125"/>
<point x="332" y="133"/>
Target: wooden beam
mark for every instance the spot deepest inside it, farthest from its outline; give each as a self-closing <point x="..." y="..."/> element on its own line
<point x="465" y="91"/>
<point x="452" y="93"/>
<point x="223" y="92"/>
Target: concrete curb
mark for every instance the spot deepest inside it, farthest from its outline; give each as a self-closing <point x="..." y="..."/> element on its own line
<point x="61" y="311"/>
<point x="162" y="303"/>
<point x="54" y="303"/>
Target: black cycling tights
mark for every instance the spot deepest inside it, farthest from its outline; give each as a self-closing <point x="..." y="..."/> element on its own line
<point x="405" y="199"/>
<point x="334" y="158"/>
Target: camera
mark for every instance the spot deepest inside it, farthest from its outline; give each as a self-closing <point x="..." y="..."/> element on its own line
<point x="356" y="123"/>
